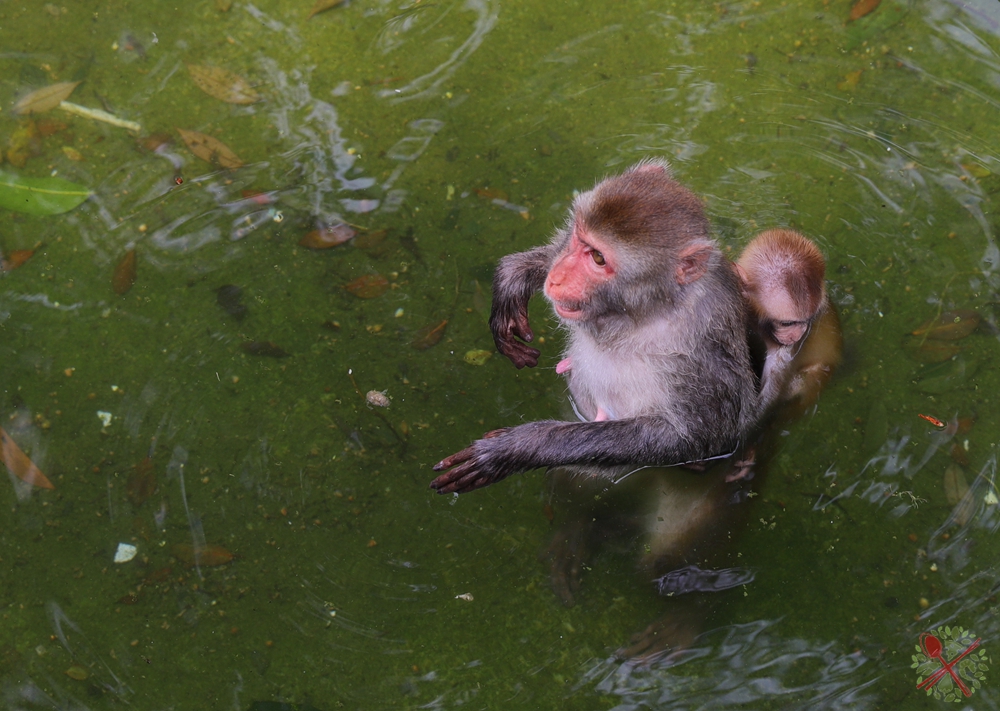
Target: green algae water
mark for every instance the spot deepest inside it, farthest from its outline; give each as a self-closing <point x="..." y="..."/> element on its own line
<point x="214" y="415"/>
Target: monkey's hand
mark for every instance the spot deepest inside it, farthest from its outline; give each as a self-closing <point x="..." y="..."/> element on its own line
<point x="508" y="325"/>
<point x="480" y="464"/>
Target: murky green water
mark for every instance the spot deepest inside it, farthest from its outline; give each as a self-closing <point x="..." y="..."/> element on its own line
<point x="463" y="129"/>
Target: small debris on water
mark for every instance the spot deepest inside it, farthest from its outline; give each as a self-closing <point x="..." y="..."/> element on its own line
<point x="125" y="553"/>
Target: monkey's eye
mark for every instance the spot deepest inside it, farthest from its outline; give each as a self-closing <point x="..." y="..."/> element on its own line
<point x="598" y="258"/>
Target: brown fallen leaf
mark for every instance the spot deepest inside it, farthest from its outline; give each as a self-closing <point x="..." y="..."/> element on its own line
<point x="15" y="258"/>
<point x="370" y="240"/>
<point x="428" y="336"/>
<point x="964" y="424"/>
<point x="49" y="127"/>
<point x="929" y="350"/>
<point x="210" y="149"/>
<point x="141" y="483"/>
<point x="207" y="554"/>
<point x="155" y="141"/>
<point x="327" y="237"/>
<point x="223" y="84"/>
<point x="491" y="194"/>
<point x="958" y="454"/>
<point x="46" y="98"/>
<point x="77" y="672"/>
<point x="322" y="5"/>
<point x="264" y="348"/>
<point x="368" y="286"/>
<point x="949" y="326"/>
<point x="19" y="464"/>
<point x="862" y="8"/>
<point x="958" y="493"/>
<point x="124" y="276"/>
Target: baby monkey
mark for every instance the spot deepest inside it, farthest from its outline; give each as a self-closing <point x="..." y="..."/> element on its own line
<point x="783" y="275"/>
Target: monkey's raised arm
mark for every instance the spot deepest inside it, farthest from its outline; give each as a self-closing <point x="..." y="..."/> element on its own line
<point x="638" y="441"/>
<point x="518" y="277"/>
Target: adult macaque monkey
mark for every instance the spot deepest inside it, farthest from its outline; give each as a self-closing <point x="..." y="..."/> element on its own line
<point x="783" y="278"/>
<point x="657" y="359"/>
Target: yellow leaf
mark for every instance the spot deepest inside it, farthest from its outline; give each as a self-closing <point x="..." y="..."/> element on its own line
<point x="322" y="5"/>
<point x="210" y="149"/>
<point x="850" y="81"/>
<point x="48" y="97"/>
<point x="77" y="672"/>
<point x="223" y="84"/>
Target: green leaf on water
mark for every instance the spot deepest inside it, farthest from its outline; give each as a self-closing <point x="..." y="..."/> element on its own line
<point x="40" y="196"/>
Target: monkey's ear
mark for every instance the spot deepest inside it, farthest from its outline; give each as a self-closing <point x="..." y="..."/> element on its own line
<point x="693" y="263"/>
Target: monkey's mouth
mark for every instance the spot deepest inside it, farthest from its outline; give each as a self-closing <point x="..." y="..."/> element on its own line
<point x="569" y="311"/>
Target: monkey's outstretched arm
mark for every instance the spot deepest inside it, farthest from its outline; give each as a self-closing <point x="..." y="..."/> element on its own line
<point x="517" y="278"/>
<point x="638" y="441"/>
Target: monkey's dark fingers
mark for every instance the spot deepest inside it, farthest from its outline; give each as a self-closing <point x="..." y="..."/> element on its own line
<point x="520" y="328"/>
<point x="454" y="460"/>
<point x="520" y="354"/>
<point x="460" y="480"/>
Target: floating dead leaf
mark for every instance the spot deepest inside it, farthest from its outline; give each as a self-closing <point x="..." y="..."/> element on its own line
<point x="327" y="237"/>
<point x="322" y="5"/>
<point x="264" y="348"/>
<point x="862" y="8"/>
<point x="260" y="197"/>
<point x="230" y="298"/>
<point x="976" y="170"/>
<point x="409" y="242"/>
<point x="15" y="258"/>
<point x="19" y="464"/>
<point x="370" y="240"/>
<point x="950" y="326"/>
<point x="491" y="194"/>
<point x="129" y="598"/>
<point x="851" y="80"/>
<point x="429" y="336"/>
<point x="368" y="286"/>
<point x="124" y="276"/>
<point x="223" y="84"/>
<point x="958" y="494"/>
<point x="207" y="555"/>
<point x="958" y="454"/>
<point x="964" y="424"/>
<point x="49" y="127"/>
<point x="46" y="98"/>
<point x="141" y="483"/>
<point x="24" y="143"/>
<point x="955" y="484"/>
<point x="930" y="351"/>
<point x="155" y="141"/>
<point x="77" y="672"/>
<point x="210" y="149"/>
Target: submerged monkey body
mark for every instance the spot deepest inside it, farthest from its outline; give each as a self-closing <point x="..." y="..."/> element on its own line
<point x="657" y="346"/>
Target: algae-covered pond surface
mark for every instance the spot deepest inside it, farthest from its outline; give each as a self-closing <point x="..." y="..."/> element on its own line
<point x="191" y="379"/>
